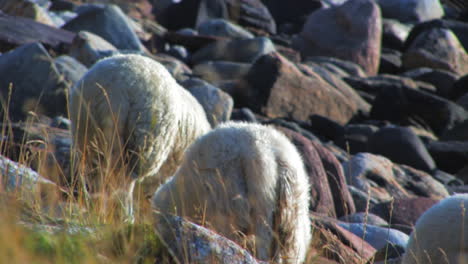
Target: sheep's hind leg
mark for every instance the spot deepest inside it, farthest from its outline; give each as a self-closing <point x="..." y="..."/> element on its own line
<point x="129" y="212"/>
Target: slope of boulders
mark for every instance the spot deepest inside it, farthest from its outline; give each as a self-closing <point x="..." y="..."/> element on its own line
<point x="374" y="95"/>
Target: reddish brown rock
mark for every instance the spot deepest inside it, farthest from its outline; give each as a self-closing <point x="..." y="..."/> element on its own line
<point x="335" y="243"/>
<point x="275" y="87"/>
<point x="403" y="213"/>
<point x="344" y="204"/>
<point x="351" y="32"/>
<point x="321" y="200"/>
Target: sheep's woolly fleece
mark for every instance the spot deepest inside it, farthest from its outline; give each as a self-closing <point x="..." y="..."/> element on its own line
<point x="131" y="104"/>
<point x="440" y="234"/>
<point x="247" y="182"/>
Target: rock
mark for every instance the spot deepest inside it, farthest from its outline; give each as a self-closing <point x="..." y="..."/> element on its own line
<point x="191" y="243"/>
<point x="349" y="67"/>
<point x="88" y="48"/>
<point x="223" y="28"/>
<point x="403" y="106"/>
<point x="364" y="218"/>
<point x="325" y="128"/>
<point x="436" y="48"/>
<point x="19" y="31"/>
<point x="336" y="82"/>
<point x="376" y="236"/>
<point x="336" y="243"/>
<point x="390" y="61"/>
<point x="35" y="81"/>
<point x="355" y="137"/>
<point x="388" y="254"/>
<point x="321" y="200"/>
<point x="276" y="88"/>
<point x="71" y="69"/>
<point x="17" y="177"/>
<point x="460" y="29"/>
<point x="176" y="68"/>
<point x="243" y="50"/>
<point x="247" y="13"/>
<point x="441" y="79"/>
<point x="216" y="103"/>
<point x="403" y="213"/>
<point x="373" y="85"/>
<point x="401" y="145"/>
<point x="463" y="101"/>
<point x="383" y="180"/>
<point x="355" y="26"/>
<point x="413" y="11"/>
<point x="370" y="173"/>
<point x="243" y="114"/>
<point x="110" y="23"/>
<point x="342" y="198"/>
<point x="214" y="71"/>
<point x="450" y="156"/>
<point x="394" y="33"/>
<point x="459" y="88"/>
<point x="361" y="199"/>
<point x="291" y="11"/>
<point x="26" y="9"/>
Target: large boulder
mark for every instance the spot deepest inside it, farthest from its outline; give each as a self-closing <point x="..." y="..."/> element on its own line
<point x="405" y="106"/>
<point x="351" y="32"/>
<point x="401" y="145"/>
<point x="436" y="48"/>
<point x="110" y="23"/>
<point x="36" y="84"/>
<point x="413" y="11"/>
<point x="275" y="87"/>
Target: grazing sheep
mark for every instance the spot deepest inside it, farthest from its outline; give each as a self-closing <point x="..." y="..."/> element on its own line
<point x="128" y="111"/>
<point x="440" y="234"/>
<point x="247" y="182"/>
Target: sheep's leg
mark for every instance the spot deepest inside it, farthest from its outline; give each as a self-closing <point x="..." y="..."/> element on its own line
<point x="129" y="212"/>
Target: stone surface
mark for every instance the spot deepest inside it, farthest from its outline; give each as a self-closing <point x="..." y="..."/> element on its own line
<point x="376" y="236"/>
<point x="215" y="71"/>
<point x="191" y="243"/>
<point x="394" y="33"/>
<point x="216" y="103"/>
<point x="460" y="29"/>
<point x="349" y="67"/>
<point x="401" y="145"/>
<point x="351" y="32"/>
<point x="436" y="48"/>
<point x="414" y="11"/>
<point x="276" y="88"/>
<point x="243" y="50"/>
<point x="110" y="23"/>
<point x="336" y="243"/>
<point x="383" y="180"/>
<point x="403" y="213"/>
<point x="223" y="28"/>
<point x="88" y="48"/>
<point x="450" y="156"/>
<point x="321" y="200"/>
<point x="27" y="9"/>
<point x="443" y="80"/>
<point x="311" y="69"/>
<point x="70" y="69"/>
<point x="35" y="81"/>
<point x="390" y="61"/>
<point x="247" y="13"/>
<point x="405" y="106"/>
<point x="17" y="177"/>
<point x="364" y="218"/>
<point x="459" y="88"/>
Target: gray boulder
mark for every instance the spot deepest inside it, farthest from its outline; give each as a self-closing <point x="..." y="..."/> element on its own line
<point x="223" y="28"/>
<point x="413" y="11"/>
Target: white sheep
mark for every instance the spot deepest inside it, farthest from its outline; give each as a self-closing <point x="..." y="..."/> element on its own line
<point x="440" y="234"/>
<point x="247" y="182"/>
<point x="128" y="111"/>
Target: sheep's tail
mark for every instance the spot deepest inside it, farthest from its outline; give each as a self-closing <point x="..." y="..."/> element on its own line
<point x="292" y="235"/>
